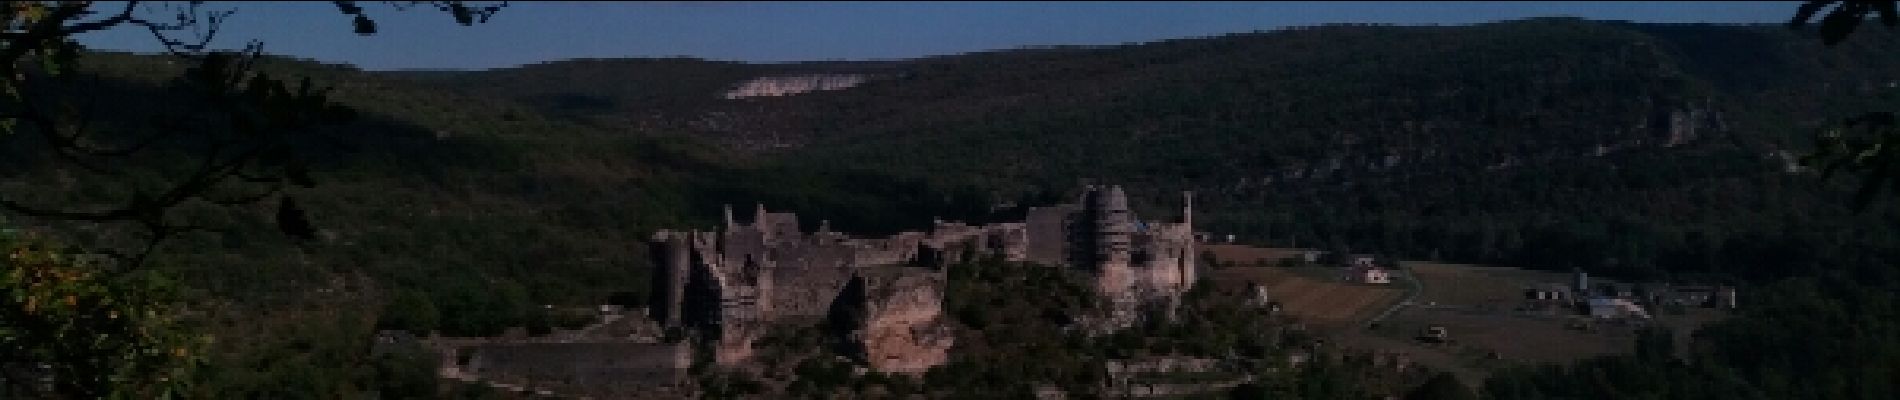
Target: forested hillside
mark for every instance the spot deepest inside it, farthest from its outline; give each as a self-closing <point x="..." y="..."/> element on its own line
<point x="1547" y="143"/>
<point x="1630" y="149"/>
<point x="481" y="207"/>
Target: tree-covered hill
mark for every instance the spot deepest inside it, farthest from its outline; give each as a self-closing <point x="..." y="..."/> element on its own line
<point x="483" y="207"/>
<point x="1553" y="143"/>
<point x="1550" y="142"/>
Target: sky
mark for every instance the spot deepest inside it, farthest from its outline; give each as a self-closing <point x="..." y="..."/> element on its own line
<point x="530" y="32"/>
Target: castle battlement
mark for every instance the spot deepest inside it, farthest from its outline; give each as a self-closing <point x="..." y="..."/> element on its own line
<point x="746" y="274"/>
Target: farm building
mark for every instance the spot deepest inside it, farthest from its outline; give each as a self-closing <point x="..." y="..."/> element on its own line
<point x="1698" y="295"/>
<point x="1370" y="275"/>
<point x="1549" y="292"/>
<point x="1361" y="261"/>
<point x="1725" y="297"/>
<point x="1434" y="334"/>
<point x="1616" y="289"/>
<point x="1606" y="308"/>
<point x="1690" y="295"/>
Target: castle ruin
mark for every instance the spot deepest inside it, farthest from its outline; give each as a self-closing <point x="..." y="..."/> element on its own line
<point x="730" y="284"/>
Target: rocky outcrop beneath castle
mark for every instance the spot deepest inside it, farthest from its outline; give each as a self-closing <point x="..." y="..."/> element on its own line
<point x="729" y="285"/>
<point x="893" y="321"/>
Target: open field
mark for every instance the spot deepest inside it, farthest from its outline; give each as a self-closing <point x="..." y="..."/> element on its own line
<point x="1243" y="255"/>
<point x="1476" y="304"/>
<point x="1516" y="338"/>
<point x="1310" y="293"/>
<point x="1475" y="285"/>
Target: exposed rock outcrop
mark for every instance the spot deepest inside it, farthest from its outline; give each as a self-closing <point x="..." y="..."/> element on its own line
<point x="770" y="86"/>
<point x="894" y="322"/>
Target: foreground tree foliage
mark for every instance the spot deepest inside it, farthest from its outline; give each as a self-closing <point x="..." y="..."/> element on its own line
<point x="227" y="136"/>
<point x="1866" y="145"/>
<point x="71" y="331"/>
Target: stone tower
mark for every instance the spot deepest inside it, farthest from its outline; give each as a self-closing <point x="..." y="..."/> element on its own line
<point x="671" y="253"/>
<point x="1187" y="209"/>
<point x="1114" y="229"/>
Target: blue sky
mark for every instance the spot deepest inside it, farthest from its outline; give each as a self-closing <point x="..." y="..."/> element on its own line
<point x="528" y="32"/>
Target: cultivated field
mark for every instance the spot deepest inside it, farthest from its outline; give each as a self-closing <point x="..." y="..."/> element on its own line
<point x="1248" y="255"/>
<point x="1475" y="285"/>
<point x="1310" y="293"/>
<point x="1476" y="304"/>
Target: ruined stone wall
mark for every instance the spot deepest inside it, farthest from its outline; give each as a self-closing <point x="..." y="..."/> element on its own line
<point x="672" y="253"/>
<point x="1166" y="254"/>
<point x="1045" y="232"/>
<point x="1009" y="239"/>
<point x="896" y="249"/>
<point x="581" y="365"/>
<point x="806" y="290"/>
<point x="750" y="275"/>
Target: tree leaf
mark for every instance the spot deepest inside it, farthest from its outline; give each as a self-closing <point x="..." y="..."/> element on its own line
<point x="348" y="7"/>
<point x="299" y="174"/>
<point x="462" y="14"/>
<point x="1838" y="24"/>
<point x="1807" y="11"/>
<point x="364" y="26"/>
<point x="292" y="221"/>
<point x="1887" y="15"/>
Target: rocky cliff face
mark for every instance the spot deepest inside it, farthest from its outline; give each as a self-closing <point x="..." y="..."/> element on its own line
<point x="896" y="323"/>
<point x="791" y="85"/>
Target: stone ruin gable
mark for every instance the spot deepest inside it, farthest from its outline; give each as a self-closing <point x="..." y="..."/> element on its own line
<point x="896" y="249"/>
<point x="1046" y="234"/>
<point x="807" y="276"/>
<point x="1163" y="259"/>
<point x="730" y="285"/>
<point x="894" y="316"/>
<point x="610" y="369"/>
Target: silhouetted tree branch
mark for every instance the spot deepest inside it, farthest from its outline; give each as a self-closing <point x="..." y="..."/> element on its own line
<point x="1863" y="145"/>
<point x="250" y="126"/>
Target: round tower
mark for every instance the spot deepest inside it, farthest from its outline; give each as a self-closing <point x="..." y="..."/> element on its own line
<point x="1114" y="229"/>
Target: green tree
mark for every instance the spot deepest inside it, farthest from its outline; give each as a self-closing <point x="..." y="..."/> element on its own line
<point x="251" y="130"/>
<point x="73" y="328"/>
<point x="1865" y="145"/>
<point x="1443" y="386"/>
<point x="410" y="311"/>
<point x="406" y="373"/>
<point x="68" y="331"/>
